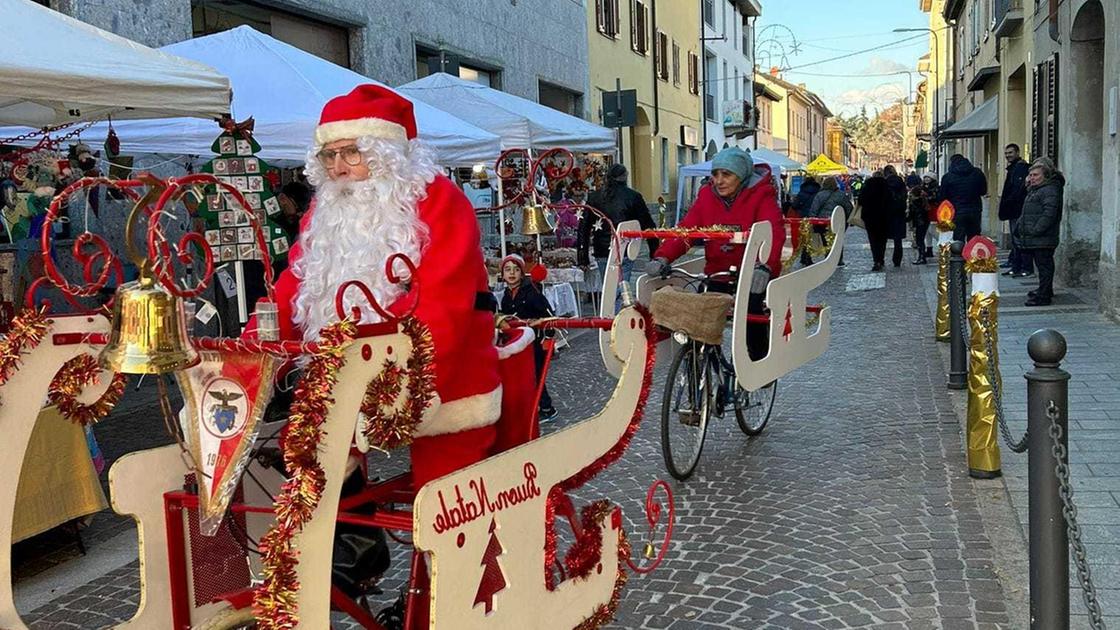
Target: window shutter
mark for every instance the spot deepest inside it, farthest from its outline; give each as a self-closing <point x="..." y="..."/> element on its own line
<point x="634" y="25"/>
<point x="600" y="17"/>
<point x="1036" y="112"/>
<point x="1052" y="108"/>
<point x="615" y="19"/>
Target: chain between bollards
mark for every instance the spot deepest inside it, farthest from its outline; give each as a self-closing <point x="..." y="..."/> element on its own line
<point x="997" y="385"/>
<point x="958" y="339"/>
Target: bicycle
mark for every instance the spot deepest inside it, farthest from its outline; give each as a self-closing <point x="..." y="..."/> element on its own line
<point x="701" y="381"/>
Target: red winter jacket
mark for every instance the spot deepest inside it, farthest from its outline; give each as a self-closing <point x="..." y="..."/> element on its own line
<point x="756" y="202"/>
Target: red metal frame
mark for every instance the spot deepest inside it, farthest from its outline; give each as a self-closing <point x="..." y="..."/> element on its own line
<point x="394" y="490"/>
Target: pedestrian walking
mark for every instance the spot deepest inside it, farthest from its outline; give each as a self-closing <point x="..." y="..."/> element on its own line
<point x="619" y="203"/>
<point x="963" y="186"/>
<point x="933" y="199"/>
<point x="521" y="299"/>
<point x="828" y="198"/>
<point x="874" y="203"/>
<point x="1039" y="225"/>
<point x="896" y="188"/>
<point x="917" y="213"/>
<point x="1019" y="262"/>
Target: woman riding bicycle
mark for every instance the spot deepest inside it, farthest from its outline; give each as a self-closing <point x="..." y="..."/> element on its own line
<point x="739" y="195"/>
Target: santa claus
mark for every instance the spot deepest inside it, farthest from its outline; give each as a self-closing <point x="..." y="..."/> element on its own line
<point x="380" y="192"/>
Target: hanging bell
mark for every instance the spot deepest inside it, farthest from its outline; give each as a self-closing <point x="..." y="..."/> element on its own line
<point x="149" y="331"/>
<point x="533" y="221"/>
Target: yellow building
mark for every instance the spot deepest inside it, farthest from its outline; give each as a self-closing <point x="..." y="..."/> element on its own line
<point x="652" y="48"/>
<point x="937" y="68"/>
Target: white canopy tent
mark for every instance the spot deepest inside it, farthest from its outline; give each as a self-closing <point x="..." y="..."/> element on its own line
<point x="284" y="89"/>
<point x="687" y="175"/>
<point x="521" y="123"/>
<point x="58" y="70"/>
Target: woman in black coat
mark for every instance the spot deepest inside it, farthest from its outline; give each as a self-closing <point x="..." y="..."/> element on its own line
<point x="1040" y="224"/>
<point x="522" y="300"/>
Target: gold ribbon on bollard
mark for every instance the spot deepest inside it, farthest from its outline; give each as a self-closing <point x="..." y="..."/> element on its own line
<point x="982" y="426"/>
<point x="941" y="319"/>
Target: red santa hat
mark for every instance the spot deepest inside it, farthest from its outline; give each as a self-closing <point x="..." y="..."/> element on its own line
<point x="368" y="110"/>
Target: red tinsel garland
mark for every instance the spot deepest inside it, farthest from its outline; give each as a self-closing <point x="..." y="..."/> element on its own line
<point x="608" y="458"/>
<point x="605" y="613"/>
<point x="24" y="333"/>
<point x="588" y="549"/>
<point x="274" y="601"/>
<point x="388" y="428"/>
<point x="68" y="382"/>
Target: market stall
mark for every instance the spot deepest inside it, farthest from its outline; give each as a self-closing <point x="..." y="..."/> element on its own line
<point x="79" y="72"/>
<point x="283" y="89"/>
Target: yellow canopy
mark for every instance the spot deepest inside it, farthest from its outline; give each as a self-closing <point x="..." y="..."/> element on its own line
<point x="824" y="166"/>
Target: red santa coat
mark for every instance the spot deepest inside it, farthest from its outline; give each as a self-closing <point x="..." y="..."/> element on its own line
<point x="449" y="277"/>
<point x="754" y="203"/>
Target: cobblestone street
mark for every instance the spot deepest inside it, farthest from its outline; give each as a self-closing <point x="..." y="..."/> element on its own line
<point x="852" y="509"/>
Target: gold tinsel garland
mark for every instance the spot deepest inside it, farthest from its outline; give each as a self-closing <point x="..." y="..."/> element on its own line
<point x="386" y="426"/>
<point x="25" y="332"/>
<point x="274" y="601"/>
<point x="805" y="243"/>
<point x="982" y="265"/>
<point x="68" y="383"/>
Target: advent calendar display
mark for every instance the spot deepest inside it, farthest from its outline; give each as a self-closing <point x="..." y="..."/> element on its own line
<point x="228" y="231"/>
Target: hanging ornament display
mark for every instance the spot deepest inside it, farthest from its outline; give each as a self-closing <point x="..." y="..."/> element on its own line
<point x="225" y="396"/>
<point x="67" y="385"/>
<point x="228" y="231"/>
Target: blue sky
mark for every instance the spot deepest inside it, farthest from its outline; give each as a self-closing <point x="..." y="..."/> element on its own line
<point x="831" y="28"/>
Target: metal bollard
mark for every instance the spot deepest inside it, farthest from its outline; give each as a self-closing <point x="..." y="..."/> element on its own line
<point x="1049" y="540"/>
<point x="941" y="316"/>
<point x="958" y="351"/>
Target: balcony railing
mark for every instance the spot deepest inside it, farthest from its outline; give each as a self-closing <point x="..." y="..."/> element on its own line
<point x="1008" y="17"/>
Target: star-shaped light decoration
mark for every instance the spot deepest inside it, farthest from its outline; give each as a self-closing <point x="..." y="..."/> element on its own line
<point x="579" y="214"/>
<point x="598" y="225"/>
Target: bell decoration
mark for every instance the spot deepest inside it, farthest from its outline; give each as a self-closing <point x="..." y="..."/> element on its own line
<point x="149" y="331"/>
<point x="533" y="221"/>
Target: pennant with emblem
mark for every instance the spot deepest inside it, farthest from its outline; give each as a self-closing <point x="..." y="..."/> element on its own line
<point x="225" y="397"/>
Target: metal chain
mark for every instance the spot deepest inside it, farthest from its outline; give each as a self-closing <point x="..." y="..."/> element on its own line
<point x="997" y="385"/>
<point x="1069" y="510"/>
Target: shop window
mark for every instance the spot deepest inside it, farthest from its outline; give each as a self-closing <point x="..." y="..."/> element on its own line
<point x="322" y="39"/>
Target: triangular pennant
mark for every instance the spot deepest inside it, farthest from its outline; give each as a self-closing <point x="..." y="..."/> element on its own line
<point x="225" y="396"/>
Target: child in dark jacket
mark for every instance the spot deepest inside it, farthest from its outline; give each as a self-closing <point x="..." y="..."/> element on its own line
<point x="522" y="300"/>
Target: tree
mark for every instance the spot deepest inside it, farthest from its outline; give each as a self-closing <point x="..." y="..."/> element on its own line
<point x="492" y="579"/>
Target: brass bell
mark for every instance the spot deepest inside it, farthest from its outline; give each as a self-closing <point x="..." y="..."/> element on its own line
<point x="149" y="331"/>
<point x="533" y="221"/>
<point x="648" y="551"/>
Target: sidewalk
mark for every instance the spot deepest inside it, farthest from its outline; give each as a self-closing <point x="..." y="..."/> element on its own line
<point x="1094" y="422"/>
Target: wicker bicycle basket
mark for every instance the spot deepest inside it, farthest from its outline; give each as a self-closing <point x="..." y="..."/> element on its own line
<point x="701" y="316"/>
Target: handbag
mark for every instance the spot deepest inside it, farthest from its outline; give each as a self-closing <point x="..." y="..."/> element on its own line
<point x="856" y="218"/>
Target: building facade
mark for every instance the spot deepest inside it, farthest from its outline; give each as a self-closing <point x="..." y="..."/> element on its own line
<point x="797" y="118"/>
<point x="536" y="50"/>
<point x="1041" y="68"/>
<point x="730" y="117"/>
<point x="652" y="48"/>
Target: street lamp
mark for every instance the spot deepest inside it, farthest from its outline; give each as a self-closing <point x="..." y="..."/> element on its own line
<point x="936" y="87"/>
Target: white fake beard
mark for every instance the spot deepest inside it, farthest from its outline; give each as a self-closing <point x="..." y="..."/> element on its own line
<point x="355" y="227"/>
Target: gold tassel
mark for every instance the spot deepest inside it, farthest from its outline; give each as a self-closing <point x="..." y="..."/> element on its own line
<point x="983" y="440"/>
<point x="941" y="320"/>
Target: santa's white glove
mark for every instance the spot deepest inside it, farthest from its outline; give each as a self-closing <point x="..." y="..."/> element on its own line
<point x="759" y="279"/>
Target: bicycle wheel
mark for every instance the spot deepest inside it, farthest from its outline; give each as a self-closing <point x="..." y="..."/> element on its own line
<point x="685" y="407"/>
<point x="752" y="409"/>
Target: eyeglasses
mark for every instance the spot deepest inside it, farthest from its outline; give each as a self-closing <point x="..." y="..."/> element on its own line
<point x="349" y="154"/>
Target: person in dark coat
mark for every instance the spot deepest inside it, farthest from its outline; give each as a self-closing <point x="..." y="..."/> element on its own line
<point x="805" y="195"/>
<point x="933" y="199"/>
<point x="1011" y="206"/>
<point x="917" y="213"/>
<point x="522" y="300"/>
<point x="874" y="201"/>
<point x="963" y="186"/>
<point x="620" y="203"/>
<point x="1039" y="225"/>
<point x="896" y="188"/>
<point x="823" y="204"/>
